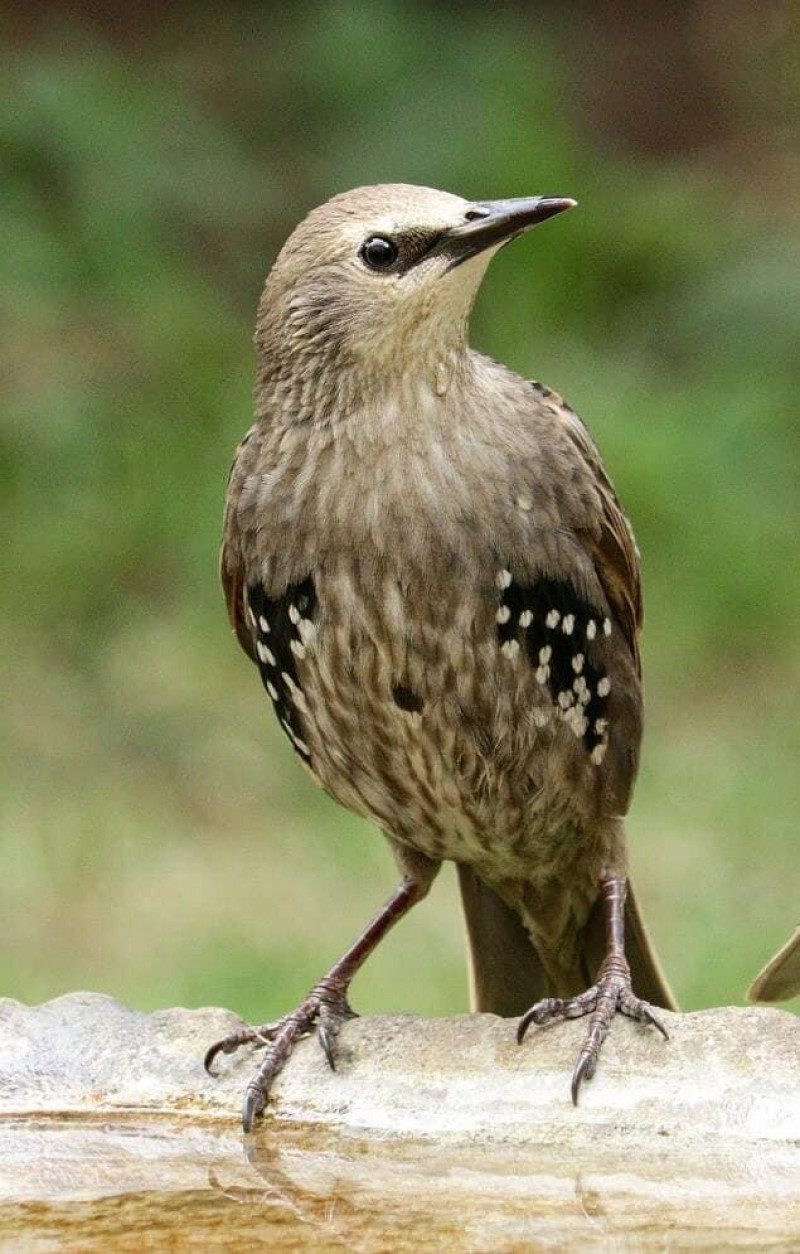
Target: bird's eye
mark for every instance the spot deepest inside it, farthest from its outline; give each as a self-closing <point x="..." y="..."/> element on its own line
<point x="378" y="252"/>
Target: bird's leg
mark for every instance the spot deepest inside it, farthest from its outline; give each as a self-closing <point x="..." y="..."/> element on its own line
<point x="611" y="993"/>
<point x="326" y="1006"/>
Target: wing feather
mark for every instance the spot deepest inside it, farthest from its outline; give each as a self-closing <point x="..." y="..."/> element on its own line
<point x="608" y="539"/>
<point x="231" y="562"/>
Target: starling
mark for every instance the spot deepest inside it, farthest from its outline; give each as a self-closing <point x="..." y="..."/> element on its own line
<point x="425" y="558"/>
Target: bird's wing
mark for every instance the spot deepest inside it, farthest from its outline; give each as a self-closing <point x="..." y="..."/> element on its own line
<point x="611" y="545"/>
<point x="507" y="972"/>
<point x="231" y="565"/>
<point x="231" y="574"/>
<point x="270" y="628"/>
<point x="608" y="538"/>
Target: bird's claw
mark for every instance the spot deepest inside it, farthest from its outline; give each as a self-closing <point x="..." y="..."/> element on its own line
<point x="611" y="994"/>
<point x="584" y="1070"/>
<point x="242" y="1036"/>
<point x="329" y="1025"/>
<point x="325" y="1007"/>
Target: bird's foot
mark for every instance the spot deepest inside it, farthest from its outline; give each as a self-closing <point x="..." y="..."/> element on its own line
<point x="611" y="994"/>
<point x="326" y="1007"/>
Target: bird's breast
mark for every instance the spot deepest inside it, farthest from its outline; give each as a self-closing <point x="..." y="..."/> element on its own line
<point x="395" y="689"/>
<point x="421" y="656"/>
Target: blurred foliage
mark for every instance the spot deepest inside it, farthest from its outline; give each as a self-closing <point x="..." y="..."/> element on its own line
<point x="158" y="840"/>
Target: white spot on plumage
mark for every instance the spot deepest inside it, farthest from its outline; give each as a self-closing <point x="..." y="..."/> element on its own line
<point x="504" y="579"/>
<point x="568" y="624"/>
<point x="294" y="614"/>
<point x="600" y="725"/>
<point x="511" y="648"/>
<point x="576" y="720"/>
<point x="272" y="690"/>
<point x="598" y="753"/>
<point x="579" y="684"/>
<point x="295" y="739"/>
<point x="552" y="619"/>
<point x="525" y="618"/>
<point x="577" y="663"/>
<point x="604" y="687"/>
<point x="591" y="629"/>
<point x="299" y="700"/>
<point x="306" y="630"/>
<point x="287" y="679"/>
<point x="542" y="674"/>
<point x="298" y="649"/>
<point x="524" y="502"/>
<point x="251" y="616"/>
<point x="503" y="614"/>
<point x="545" y="655"/>
<point x="565" y="700"/>
<point x="265" y="653"/>
<point x="606" y="626"/>
<point x="263" y="624"/>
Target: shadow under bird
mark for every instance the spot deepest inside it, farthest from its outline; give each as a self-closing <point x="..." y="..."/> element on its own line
<point x="425" y="559"/>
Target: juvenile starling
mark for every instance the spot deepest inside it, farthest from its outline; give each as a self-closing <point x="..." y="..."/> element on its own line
<point x="424" y="557"/>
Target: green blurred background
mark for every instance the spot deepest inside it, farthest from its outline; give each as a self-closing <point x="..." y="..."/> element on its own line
<point x="158" y="840"/>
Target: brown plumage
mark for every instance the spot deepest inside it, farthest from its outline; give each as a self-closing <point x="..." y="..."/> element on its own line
<point x="427" y="562"/>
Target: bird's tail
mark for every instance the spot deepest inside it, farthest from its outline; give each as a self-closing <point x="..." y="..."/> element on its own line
<point x="780" y="978"/>
<point x="506" y="973"/>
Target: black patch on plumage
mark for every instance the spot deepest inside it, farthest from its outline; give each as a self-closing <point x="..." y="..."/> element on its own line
<point x="275" y="630"/>
<point x="551" y="603"/>
<point x="407" y="699"/>
<point x="541" y="389"/>
<point x="547" y="394"/>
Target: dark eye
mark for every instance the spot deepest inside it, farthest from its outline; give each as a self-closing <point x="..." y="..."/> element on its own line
<point x="378" y="252"/>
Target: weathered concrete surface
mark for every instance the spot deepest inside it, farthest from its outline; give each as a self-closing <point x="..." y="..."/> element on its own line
<point x="432" y="1135"/>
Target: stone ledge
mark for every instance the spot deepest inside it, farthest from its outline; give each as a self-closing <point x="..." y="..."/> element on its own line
<point x="733" y="1071"/>
<point x="433" y="1134"/>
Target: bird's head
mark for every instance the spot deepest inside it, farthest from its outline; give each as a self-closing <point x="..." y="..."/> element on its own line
<point x="379" y="282"/>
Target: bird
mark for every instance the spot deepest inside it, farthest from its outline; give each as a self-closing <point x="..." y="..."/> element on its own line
<point x="425" y="559"/>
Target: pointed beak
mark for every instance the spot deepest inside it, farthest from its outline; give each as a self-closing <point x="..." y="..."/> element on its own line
<point x="492" y="222"/>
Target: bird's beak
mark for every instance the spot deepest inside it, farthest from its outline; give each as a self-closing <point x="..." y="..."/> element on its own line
<point x="493" y="222"/>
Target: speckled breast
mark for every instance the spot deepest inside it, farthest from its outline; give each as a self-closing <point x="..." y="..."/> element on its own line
<point x="461" y="723"/>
